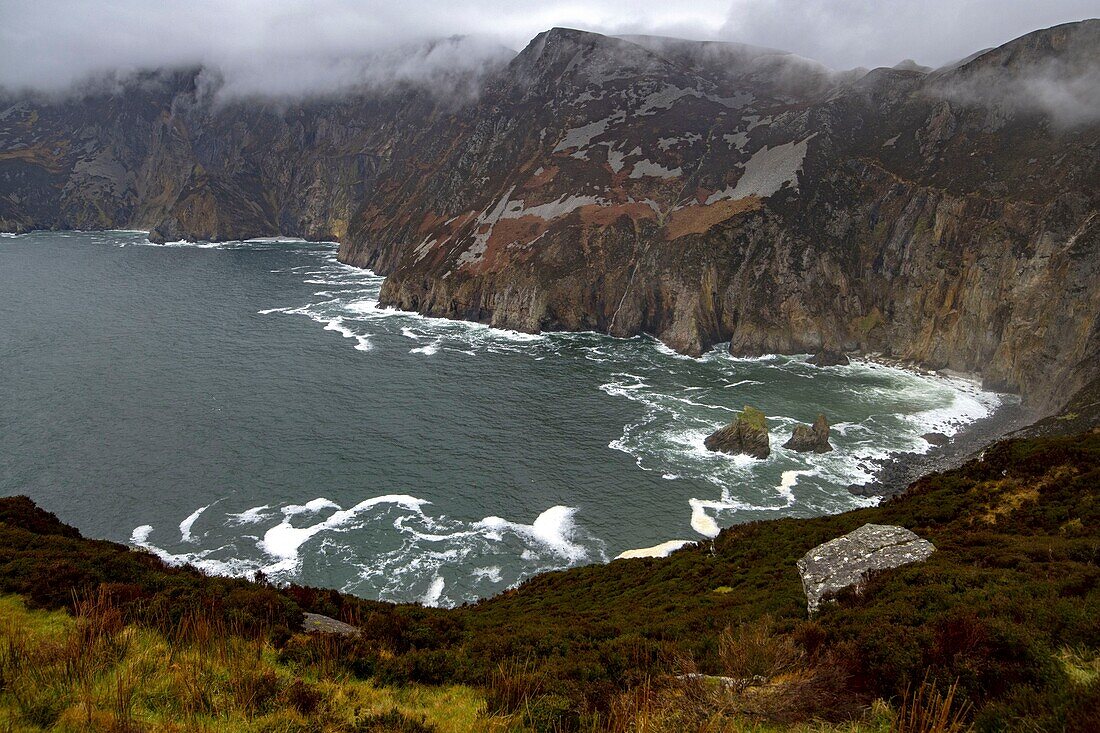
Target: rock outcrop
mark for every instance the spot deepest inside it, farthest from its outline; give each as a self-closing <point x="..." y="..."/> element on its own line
<point x="936" y="439"/>
<point x="698" y="192"/>
<point x="748" y="435"/>
<point x="806" y="438"/>
<point x="829" y="357"/>
<point x="846" y="561"/>
<point x="316" y="623"/>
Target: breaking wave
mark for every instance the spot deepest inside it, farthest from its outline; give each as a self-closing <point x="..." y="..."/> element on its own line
<point x="398" y="548"/>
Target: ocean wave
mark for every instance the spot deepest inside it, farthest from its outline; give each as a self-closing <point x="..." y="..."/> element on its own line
<point x="400" y="551"/>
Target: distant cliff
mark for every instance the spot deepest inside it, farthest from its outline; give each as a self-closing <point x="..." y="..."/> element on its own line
<point x="700" y="192"/>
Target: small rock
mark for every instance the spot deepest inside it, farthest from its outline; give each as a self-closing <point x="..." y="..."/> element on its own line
<point x="814" y="438"/>
<point x="316" y="623"/>
<point x="845" y="562"/>
<point x="747" y="434"/>
<point x="829" y="357"/>
<point x="936" y="438"/>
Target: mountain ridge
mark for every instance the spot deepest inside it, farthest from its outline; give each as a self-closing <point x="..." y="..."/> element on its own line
<point x="598" y="183"/>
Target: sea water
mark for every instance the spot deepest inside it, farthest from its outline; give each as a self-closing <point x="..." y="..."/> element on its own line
<point x="249" y="406"/>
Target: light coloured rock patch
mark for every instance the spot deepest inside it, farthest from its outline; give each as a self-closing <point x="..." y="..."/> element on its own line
<point x="616" y="159"/>
<point x="580" y="137"/>
<point x="316" y="623"/>
<point x="507" y="208"/>
<point x="663" y="98"/>
<point x="667" y="143"/>
<point x="654" y="170"/>
<point x="767" y="171"/>
<point x="486" y="220"/>
<point x="737" y="140"/>
<point x="846" y="561"/>
<point x="421" y="251"/>
<point x="551" y="210"/>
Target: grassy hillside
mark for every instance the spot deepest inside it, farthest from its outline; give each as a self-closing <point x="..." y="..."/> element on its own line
<point x="1003" y="615"/>
<point x="94" y="672"/>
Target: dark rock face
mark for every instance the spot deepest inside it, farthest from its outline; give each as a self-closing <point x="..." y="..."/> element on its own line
<point x="829" y="358"/>
<point x="806" y="438"/>
<point x="699" y="192"/>
<point x="936" y="439"/>
<point x="846" y="561"/>
<point x="747" y="434"/>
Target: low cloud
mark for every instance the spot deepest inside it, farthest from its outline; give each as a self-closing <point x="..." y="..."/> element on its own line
<point x="852" y="33"/>
<point x="302" y="46"/>
<point x="1065" y="91"/>
<point x="298" y="47"/>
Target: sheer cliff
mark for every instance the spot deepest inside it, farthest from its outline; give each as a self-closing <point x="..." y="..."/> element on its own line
<point x="699" y="192"/>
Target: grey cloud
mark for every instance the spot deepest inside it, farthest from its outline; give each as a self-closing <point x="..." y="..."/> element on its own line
<point x="320" y="46"/>
<point x="1068" y="93"/>
<point x="852" y="33"/>
<point x="294" y="46"/>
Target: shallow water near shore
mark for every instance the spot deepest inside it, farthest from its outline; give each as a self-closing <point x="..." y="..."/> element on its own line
<point x="249" y="407"/>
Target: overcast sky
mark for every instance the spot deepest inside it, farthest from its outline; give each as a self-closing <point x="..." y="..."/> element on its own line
<point x="51" y="43"/>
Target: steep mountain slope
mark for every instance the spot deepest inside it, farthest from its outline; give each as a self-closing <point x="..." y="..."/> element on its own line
<point x="624" y="191"/>
<point x="699" y="192"/>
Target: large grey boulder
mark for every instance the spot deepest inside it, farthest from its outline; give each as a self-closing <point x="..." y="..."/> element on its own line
<point x="316" y="623"/>
<point x="846" y="561"/>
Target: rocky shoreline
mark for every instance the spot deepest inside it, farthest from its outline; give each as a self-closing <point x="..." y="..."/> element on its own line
<point x="895" y="474"/>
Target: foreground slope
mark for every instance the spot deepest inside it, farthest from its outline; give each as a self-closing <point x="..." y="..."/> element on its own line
<point x="1006" y="608"/>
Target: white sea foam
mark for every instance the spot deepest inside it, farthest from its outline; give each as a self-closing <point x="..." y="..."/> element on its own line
<point x="428" y="551"/>
<point x="701" y="521"/>
<point x="554" y="529"/>
<point x="489" y="574"/>
<point x="427" y="349"/>
<point x="434" y="593"/>
<point x="282" y="542"/>
<point x="254" y="515"/>
<point x="787" y="482"/>
<point x="664" y="549"/>
<point x="969" y="403"/>
<point x="186" y="524"/>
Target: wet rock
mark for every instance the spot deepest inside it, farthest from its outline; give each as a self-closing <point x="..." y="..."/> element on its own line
<point x="316" y="623"/>
<point x="747" y="434"/>
<point x="846" y="561"/>
<point x="936" y="439"/>
<point x="806" y="438"/>
<point x="828" y="357"/>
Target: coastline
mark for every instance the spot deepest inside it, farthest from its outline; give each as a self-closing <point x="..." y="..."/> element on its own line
<point x="891" y="474"/>
<point x="894" y="474"/>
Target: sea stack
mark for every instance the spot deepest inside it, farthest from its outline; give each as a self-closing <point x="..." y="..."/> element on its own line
<point x="806" y="438"/>
<point x="747" y="434"/>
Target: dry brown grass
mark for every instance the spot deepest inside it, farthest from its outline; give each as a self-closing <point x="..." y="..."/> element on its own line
<point x="928" y="710"/>
<point x="92" y="672"/>
<point x="699" y="219"/>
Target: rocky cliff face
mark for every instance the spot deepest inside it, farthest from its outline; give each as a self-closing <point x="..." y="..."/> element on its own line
<point x="698" y="192"/>
<point x="162" y="151"/>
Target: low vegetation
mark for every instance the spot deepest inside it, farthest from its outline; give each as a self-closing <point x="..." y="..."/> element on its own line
<point x="996" y="631"/>
<point x="92" y="672"/>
